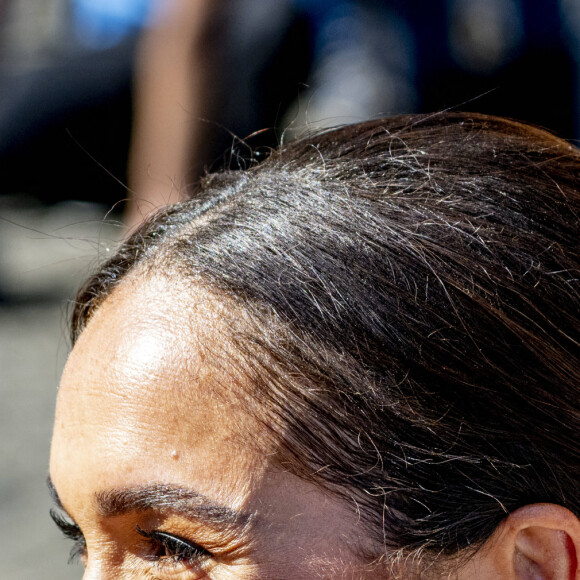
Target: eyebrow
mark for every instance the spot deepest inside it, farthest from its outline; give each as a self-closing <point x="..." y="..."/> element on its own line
<point x="164" y="497"/>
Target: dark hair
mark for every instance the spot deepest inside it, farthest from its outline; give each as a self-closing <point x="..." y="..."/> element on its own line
<point x="415" y="282"/>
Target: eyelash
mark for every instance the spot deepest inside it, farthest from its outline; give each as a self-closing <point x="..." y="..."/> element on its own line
<point x="173" y="550"/>
<point x="71" y="531"/>
<point x="168" y="549"/>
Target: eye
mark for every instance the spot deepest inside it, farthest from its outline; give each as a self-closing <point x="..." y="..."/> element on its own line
<point x="171" y="550"/>
<point x="71" y="531"/>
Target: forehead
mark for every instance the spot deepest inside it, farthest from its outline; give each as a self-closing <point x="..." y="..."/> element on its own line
<point x="142" y="403"/>
<point x="142" y="394"/>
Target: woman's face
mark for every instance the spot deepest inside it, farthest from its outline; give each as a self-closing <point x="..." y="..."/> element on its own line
<point x="148" y="462"/>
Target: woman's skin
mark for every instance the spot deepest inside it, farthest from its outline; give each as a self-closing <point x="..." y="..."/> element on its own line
<point x="142" y="440"/>
<point x="150" y="461"/>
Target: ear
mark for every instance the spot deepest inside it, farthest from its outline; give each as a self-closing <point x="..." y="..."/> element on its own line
<point x="536" y="542"/>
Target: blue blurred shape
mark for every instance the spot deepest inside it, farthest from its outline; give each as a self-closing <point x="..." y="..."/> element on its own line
<point x="103" y="23"/>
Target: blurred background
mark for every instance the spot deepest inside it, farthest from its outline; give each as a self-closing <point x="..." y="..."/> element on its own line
<point x="111" y="108"/>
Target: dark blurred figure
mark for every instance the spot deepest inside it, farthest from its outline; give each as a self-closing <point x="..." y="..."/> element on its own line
<point x="207" y="70"/>
<point x="65" y="115"/>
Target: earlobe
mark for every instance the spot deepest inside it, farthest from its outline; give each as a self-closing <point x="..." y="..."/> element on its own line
<point x="536" y="542"/>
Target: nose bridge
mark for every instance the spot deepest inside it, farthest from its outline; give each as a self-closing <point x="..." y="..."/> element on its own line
<point x="101" y="569"/>
<point x="97" y="570"/>
<point x="102" y="564"/>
